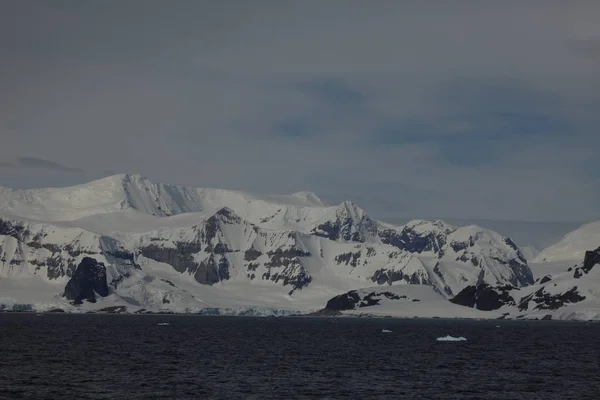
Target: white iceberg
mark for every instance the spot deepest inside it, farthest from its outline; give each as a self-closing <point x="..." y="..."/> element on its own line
<point x="451" y="339"/>
<point x="163" y="323"/>
<point x="385" y="331"/>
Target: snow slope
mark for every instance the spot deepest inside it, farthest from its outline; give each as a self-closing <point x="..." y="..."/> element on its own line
<point x="183" y="248"/>
<point x="571" y="293"/>
<point x="573" y="246"/>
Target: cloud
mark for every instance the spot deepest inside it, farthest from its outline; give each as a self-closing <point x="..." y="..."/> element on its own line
<point x="34" y="162"/>
<point x="479" y="110"/>
<point x="587" y="48"/>
<point x="6" y="164"/>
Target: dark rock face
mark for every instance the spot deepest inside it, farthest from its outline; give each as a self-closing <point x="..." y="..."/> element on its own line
<point x="282" y="265"/>
<point x="413" y="242"/>
<point x="285" y="266"/>
<point x="57" y="266"/>
<point x="9" y="228"/>
<point x="346" y="226"/>
<point x="251" y="254"/>
<point x="329" y="230"/>
<point x="113" y="310"/>
<point x="591" y="258"/>
<point x="523" y="276"/>
<point x="346" y="301"/>
<point x="438" y="273"/>
<point x="485" y="297"/>
<point x="348" y="258"/>
<point x="547" y="301"/>
<point x="353" y="300"/>
<point x="386" y="276"/>
<point x="371" y="300"/>
<point x="546" y="279"/>
<point x="89" y="278"/>
<point x="341" y="229"/>
<point x="181" y="258"/>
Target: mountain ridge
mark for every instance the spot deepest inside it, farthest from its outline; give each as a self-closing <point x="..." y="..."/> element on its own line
<point x="291" y="247"/>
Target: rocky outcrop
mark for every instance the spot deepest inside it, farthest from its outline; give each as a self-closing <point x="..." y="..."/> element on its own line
<point x="389" y="276"/>
<point x="544" y="300"/>
<point x="417" y="237"/>
<point x="485" y="297"/>
<point x="181" y="255"/>
<point x="181" y="258"/>
<point x="591" y="259"/>
<point x="286" y="266"/>
<point x="351" y="224"/>
<point x="361" y="298"/>
<point x="346" y="301"/>
<point x="88" y="280"/>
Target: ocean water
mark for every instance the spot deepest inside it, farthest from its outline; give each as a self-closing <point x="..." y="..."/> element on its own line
<point x="133" y="357"/>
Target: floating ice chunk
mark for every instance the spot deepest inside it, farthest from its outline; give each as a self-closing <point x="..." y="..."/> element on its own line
<point x="386" y="331"/>
<point x="163" y="323"/>
<point x="451" y="339"/>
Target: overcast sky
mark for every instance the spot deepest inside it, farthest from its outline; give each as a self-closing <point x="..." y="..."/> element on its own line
<point x="451" y="109"/>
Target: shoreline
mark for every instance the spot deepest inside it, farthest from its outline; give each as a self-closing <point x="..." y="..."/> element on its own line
<point x="302" y="316"/>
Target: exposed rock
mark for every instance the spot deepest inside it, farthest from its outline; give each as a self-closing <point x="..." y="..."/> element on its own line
<point x="113" y="310"/>
<point x="285" y="266"/>
<point x="355" y="299"/>
<point x="88" y="280"/>
<point x="346" y="301"/>
<point x="251" y="254"/>
<point x="413" y="241"/>
<point x="9" y="228"/>
<point x="546" y="279"/>
<point x="348" y="258"/>
<point x="351" y="224"/>
<point x="591" y="258"/>
<point x="168" y="282"/>
<point x="325" y="313"/>
<point x="371" y="300"/>
<point x="386" y="276"/>
<point x="547" y="301"/>
<point x="485" y="297"/>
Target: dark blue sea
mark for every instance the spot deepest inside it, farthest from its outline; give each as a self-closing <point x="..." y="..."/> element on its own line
<point x="61" y="356"/>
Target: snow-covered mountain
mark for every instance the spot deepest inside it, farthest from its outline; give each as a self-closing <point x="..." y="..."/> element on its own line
<point x="573" y="246"/>
<point x="573" y="293"/>
<point x="181" y="248"/>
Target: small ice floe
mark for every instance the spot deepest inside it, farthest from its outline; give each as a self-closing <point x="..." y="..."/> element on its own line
<point x="386" y="331"/>
<point x="163" y="323"/>
<point x="451" y="339"/>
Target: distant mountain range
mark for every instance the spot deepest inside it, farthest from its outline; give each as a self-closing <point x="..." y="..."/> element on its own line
<point x="132" y="244"/>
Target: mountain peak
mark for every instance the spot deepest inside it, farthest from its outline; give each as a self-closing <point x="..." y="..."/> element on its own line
<point x="424" y="226"/>
<point x="309" y="197"/>
<point x="349" y="209"/>
<point x="227" y="214"/>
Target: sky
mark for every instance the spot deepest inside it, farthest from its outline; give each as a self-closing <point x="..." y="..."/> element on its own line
<point x="412" y="109"/>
